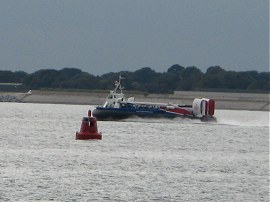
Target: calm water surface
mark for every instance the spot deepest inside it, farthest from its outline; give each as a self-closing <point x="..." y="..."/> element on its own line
<point x="137" y="160"/>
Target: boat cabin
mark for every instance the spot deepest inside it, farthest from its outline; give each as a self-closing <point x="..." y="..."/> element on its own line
<point x="113" y="99"/>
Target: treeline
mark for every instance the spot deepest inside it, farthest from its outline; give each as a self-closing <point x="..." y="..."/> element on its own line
<point x="145" y="80"/>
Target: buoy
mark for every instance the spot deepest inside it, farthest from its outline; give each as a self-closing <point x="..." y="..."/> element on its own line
<point x="88" y="129"/>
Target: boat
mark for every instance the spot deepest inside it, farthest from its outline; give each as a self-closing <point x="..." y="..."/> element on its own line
<point x="118" y="107"/>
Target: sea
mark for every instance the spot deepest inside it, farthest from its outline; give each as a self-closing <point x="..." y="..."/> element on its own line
<point x="137" y="159"/>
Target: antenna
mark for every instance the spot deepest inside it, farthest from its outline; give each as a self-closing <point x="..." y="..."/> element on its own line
<point x="120" y="87"/>
<point x="118" y="84"/>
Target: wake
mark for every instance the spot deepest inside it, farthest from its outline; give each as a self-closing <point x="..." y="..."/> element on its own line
<point x="242" y="118"/>
<point x="224" y="117"/>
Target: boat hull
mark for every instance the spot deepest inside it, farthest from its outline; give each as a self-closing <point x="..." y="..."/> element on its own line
<point x="111" y="114"/>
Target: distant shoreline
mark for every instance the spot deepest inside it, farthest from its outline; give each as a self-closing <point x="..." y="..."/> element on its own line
<point x="234" y="101"/>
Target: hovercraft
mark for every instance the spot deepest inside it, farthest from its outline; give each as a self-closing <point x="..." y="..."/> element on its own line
<point x="117" y="107"/>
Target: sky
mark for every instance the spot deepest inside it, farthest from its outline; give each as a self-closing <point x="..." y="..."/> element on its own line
<point x="102" y="36"/>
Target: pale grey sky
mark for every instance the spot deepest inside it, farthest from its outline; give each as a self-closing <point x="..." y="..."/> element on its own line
<point x="100" y="36"/>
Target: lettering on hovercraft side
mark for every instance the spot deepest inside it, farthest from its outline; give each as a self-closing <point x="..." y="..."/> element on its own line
<point x="138" y="106"/>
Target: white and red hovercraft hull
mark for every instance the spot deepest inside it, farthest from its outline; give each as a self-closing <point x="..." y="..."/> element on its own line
<point x="202" y="109"/>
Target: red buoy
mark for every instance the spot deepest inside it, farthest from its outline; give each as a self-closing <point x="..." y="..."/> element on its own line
<point x="88" y="129"/>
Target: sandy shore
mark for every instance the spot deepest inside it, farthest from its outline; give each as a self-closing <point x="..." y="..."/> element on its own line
<point x="237" y="101"/>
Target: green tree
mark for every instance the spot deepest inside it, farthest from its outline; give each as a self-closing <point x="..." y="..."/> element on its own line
<point x="213" y="78"/>
<point x="191" y="78"/>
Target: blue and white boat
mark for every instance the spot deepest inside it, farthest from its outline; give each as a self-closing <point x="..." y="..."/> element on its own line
<point x="117" y="107"/>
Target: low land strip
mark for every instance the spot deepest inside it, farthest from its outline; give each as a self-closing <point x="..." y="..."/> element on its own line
<point x="235" y="101"/>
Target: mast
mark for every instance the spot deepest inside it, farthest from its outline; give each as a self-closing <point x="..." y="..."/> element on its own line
<point x="118" y="85"/>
